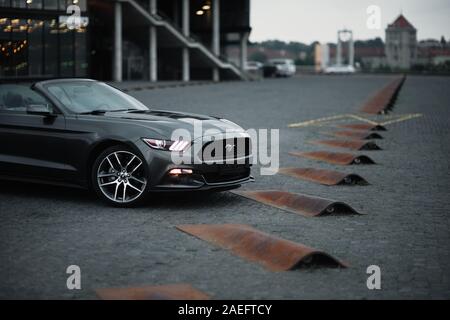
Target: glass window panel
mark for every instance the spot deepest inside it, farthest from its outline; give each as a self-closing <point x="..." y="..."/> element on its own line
<point x="63" y="4"/>
<point x="35" y="4"/>
<point x="66" y="49"/>
<point x="82" y="4"/>
<point x="19" y="3"/>
<point x="5" y="48"/>
<point x="5" y="3"/>
<point x="80" y="54"/>
<point x="51" y="4"/>
<point x="19" y="47"/>
<point x="35" y="47"/>
<point x="51" y="48"/>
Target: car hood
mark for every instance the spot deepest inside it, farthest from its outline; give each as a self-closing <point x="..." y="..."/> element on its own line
<point x="165" y="122"/>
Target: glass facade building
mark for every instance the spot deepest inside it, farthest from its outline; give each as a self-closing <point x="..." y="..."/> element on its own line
<point x="37" y="42"/>
<point x="153" y="40"/>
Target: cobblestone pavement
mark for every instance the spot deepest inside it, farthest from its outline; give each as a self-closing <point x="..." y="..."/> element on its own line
<point x="405" y="229"/>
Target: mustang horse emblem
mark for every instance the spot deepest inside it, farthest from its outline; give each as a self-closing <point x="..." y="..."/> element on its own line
<point x="229" y="147"/>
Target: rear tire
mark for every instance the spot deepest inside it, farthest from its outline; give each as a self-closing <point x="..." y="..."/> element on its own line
<point x="120" y="177"/>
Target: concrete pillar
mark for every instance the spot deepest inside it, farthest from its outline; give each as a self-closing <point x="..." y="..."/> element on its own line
<point x="185" y="18"/>
<point x="117" y="54"/>
<point x="351" y="51"/>
<point x="243" y="59"/>
<point x="185" y="50"/>
<point x="186" y="65"/>
<point x="153" y="45"/>
<point x="215" y="7"/>
<point x="339" y="50"/>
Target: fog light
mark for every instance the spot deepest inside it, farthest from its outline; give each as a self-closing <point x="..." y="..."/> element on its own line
<point x="175" y="172"/>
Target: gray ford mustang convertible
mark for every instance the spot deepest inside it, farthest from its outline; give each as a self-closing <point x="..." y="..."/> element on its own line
<point x="85" y="133"/>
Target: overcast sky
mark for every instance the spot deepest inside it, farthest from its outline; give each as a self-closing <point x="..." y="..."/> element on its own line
<point x="309" y="20"/>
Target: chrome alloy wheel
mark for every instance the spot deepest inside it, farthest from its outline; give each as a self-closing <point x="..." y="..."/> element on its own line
<point x="121" y="177"/>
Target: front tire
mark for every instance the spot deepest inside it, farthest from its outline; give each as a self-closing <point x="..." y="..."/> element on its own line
<point x="120" y="177"/>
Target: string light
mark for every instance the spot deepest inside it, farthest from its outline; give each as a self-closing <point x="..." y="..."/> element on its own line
<point x="12" y="47"/>
<point x="206" y="7"/>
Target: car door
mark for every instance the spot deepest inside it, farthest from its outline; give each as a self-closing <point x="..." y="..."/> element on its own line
<point x="31" y="145"/>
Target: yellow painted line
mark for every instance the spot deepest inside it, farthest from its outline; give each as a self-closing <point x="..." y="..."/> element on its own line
<point x="322" y="121"/>
<point x="315" y="121"/>
<point x="404" y="118"/>
<point x="354" y="116"/>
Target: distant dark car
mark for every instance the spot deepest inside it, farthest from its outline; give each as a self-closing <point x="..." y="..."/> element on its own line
<point x="85" y="133"/>
<point x="269" y="71"/>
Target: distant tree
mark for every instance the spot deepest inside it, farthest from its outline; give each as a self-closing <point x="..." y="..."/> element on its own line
<point x="258" y="56"/>
<point x="443" y="42"/>
<point x="309" y="61"/>
<point x="296" y="47"/>
<point x="274" y="44"/>
<point x="304" y="52"/>
<point x="371" y="43"/>
<point x="378" y="42"/>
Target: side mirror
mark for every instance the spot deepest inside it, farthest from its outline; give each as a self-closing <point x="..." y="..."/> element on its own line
<point x="40" y="109"/>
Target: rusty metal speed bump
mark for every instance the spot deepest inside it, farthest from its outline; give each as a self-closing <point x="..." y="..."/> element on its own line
<point x="326" y="177"/>
<point x="165" y="292"/>
<point x="361" y="135"/>
<point x="343" y="159"/>
<point x="349" y="144"/>
<point x="273" y="253"/>
<point x="384" y="99"/>
<point x="298" y="203"/>
<point x="363" y="126"/>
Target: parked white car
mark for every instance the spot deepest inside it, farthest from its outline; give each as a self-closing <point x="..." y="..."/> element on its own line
<point x="253" y="66"/>
<point x="284" y="67"/>
<point x="340" y="69"/>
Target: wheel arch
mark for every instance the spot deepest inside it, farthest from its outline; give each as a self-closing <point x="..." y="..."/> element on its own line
<point x="98" y="149"/>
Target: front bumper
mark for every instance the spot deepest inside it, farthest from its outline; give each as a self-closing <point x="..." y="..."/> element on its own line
<point x="204" y="176"/>
<point x="197" y="181"/>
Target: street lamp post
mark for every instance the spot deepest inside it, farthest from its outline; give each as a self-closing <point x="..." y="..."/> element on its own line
<point x="185" y="50"/>
<point x="215" y="35"/>
<point x="153" y="53"/>
<point x="117" y="70"/>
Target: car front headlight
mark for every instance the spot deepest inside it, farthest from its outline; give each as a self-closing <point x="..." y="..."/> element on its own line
<point x="167" y="145"/>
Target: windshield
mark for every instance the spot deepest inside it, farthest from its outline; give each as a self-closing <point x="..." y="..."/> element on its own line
<point x="89" y="96"/>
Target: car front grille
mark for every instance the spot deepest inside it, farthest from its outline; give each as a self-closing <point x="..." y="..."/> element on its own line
<point x="227" y="173"/>
<point x="226" y="150"/>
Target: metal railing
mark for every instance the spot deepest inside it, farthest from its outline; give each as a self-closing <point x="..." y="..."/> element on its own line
<point x="192" y="41"/>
